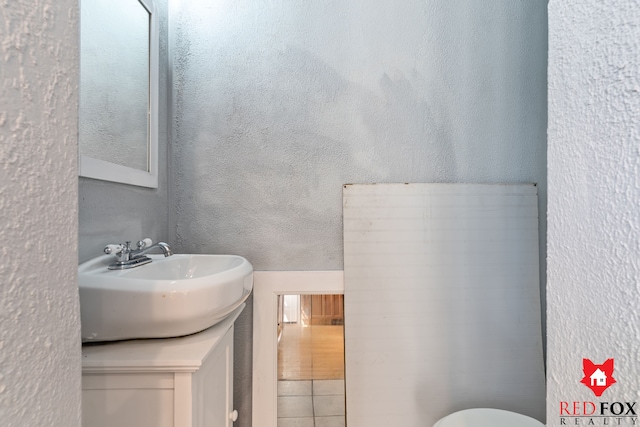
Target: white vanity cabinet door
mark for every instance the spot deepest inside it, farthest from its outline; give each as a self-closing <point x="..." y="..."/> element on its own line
<point x="174" y="382"/>
<point x="140" y="400"/>
<point x="212" y="387"/>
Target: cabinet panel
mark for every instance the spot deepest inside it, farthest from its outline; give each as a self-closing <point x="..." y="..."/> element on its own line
<point x="127" y="408"/>
<point x="213" y="387"/>
<point x="327" y="310"/>
<point x="179" y="382"/>
<point x="125" y="381"/>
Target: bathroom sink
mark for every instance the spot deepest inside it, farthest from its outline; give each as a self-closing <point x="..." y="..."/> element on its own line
<point x="174" y="296"/>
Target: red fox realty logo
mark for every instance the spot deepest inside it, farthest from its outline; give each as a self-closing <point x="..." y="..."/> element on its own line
<point x="598" y="378"/>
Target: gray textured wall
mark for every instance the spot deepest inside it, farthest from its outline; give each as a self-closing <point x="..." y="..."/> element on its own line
<point x="111" y="212"/>
<point x="278" y="104"/>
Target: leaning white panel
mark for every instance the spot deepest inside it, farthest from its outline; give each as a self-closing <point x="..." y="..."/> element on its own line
<point x="442" y="302"/>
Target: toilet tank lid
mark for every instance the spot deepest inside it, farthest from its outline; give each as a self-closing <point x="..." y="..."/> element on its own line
<point x="487" y="417"/>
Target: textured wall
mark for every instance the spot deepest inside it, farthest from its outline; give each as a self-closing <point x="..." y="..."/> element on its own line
<point x="39" y="312"/>
<point x="594" y="194"/>
<point x="112" y="212"/>
<point x="280" y="103"/>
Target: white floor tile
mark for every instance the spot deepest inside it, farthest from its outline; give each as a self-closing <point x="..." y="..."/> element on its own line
<point x="328" y="405"/>
<point x="328" y="387"/>
<point x="294" y="388"/>
<point x="295" y="406"/>
<point x="296" y="422"/>
<point x="329" y="422"/>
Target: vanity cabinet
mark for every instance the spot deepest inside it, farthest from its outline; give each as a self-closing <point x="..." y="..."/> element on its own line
<point x="171" y="382"/>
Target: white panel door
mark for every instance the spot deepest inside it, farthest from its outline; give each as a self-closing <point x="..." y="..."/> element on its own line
<point x="213" y="387"/>
<point x="442" y="302"/>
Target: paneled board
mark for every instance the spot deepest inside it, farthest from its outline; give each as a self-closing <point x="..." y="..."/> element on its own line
<point x="442" y="302"/>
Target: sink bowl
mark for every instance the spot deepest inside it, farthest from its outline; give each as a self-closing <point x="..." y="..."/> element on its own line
<point x="169" y="297"/>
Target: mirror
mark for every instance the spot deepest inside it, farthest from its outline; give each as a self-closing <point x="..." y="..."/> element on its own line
<point x="118" y="111"/>
<point x="267" y="288"/>
<point x="310" y="337"/>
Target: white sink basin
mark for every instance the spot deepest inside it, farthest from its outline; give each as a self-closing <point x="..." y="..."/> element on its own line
<point x="170" y="297"/>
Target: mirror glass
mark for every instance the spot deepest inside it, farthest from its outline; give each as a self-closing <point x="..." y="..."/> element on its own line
<point x="118" y="107"/>
<point x="311" y="388"/>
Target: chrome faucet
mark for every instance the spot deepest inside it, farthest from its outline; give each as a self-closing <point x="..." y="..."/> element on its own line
<point x="127" y="257"/>
<point x="166" y="250"/>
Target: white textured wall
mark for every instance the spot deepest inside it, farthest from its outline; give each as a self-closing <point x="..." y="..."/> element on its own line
<point x="277" y="104"/>
<point x="594" y="197"/>
<point x="39" y="312"/>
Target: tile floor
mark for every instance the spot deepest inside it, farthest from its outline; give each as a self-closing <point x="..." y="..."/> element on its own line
<point x="311" y="403"/>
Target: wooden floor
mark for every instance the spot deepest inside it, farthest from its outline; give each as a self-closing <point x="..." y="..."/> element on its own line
<point x="311" y="352"/>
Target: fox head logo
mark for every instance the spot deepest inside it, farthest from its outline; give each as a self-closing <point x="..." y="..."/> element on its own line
<point x="598" y="377"/>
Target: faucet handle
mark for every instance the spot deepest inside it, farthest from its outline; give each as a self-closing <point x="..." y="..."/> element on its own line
<point x="113" y="249"/>
<point x="145" y="243"/>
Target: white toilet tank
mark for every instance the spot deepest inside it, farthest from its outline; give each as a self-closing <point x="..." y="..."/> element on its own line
<point x="486" y="417"/>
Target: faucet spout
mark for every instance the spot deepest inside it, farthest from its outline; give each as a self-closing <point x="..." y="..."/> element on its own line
<point x="164" y="247"/>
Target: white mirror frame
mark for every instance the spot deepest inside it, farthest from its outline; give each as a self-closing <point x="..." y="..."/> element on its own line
<point x="267" y="285"/>
<point x="106" y="171"/>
